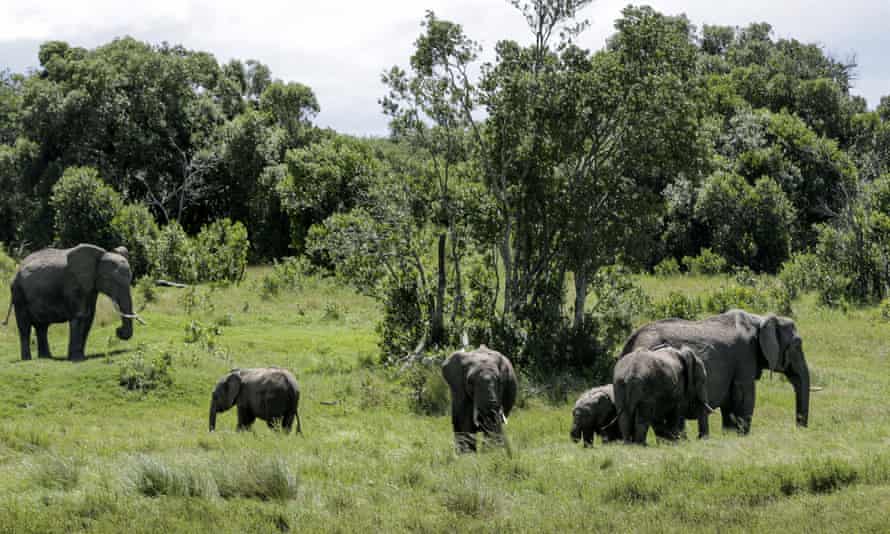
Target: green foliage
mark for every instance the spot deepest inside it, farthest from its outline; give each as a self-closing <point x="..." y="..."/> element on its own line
<point x="801" y="273"/>
<point x="769" y="295"/>
<point x="748" y="225"/>
<point x="195" y="299"/>
<point x="678" y="305"/>
<point x="401" y="327"/>
<point x="221" y="249"/>
<point x="667" y="267"/>
<point x="202" y="334"/>
<point x="137" y="230"/>
<point x="707" y="262"/>
<point x="286" y="275"/>
<point x="173" y="256"/>
<point x="84" y="209"/>
<point x="58" y="472"/>
<point x="146" y="291"/>
<point x="428" y="394"/>
<point x="143" y="371"/>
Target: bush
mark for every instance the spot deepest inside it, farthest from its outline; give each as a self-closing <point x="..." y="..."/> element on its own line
<point x="154" y="478"/>
<point x="84" y="208"/>
<point x="139" y="372"/>
<point x="221" y="250"/>
<point x="707" y="262"/>
<point x="800" y="273"/>
<point x="677" y="305"/>
<point x="769" y="296"/>
<point x="137" y="230"/>
<point x="428" y="393"/>
<point x="145" y="289"/>
<point x="286" y="275"/>
<point x="667" y="267"/>
<point x="173" y="255"/>
<point x="257" y="478"/>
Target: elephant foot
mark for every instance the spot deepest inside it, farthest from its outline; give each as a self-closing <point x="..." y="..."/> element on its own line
<point x="45" y="355"/>
<point x="77" y="357"/>
<point x="26" y="356"/>
<point x="703" y="436"/>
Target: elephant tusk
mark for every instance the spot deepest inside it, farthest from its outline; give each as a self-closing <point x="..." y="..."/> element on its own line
<point x="708" y="407"/>
<point x="127" y="315"/>
<point x="504" y="417"/>
<point x="816" y="388"/>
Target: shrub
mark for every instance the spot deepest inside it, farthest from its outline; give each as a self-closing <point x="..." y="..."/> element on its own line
<point x="677" y="305"/>
<point x="173" y="255"/>
<point x="137" y="230"/>
<point x="286" y="275"/>
<point x="885" y="309"/>
<point x="667" y="267"/>
<point x="428" y="393"/>
<point x="139" y="372"/>
<point x="145" y="289"/>
<point x="154" y="478"/>
<point x="769" y="295"/>
<point x="257" y="478"/>
<point x="194" y="299"/>
<point x="84" y="208"/>
<point x="58" y="472"/>
<point x="800" y="273"/>
<point x="707" y="262"/>
<point x="221" y="251"/>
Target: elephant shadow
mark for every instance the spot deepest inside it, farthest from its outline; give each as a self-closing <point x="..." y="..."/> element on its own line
<point x="93" y="356"/>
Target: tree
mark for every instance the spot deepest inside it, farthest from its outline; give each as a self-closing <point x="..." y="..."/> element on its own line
<point x="84" y="209"/>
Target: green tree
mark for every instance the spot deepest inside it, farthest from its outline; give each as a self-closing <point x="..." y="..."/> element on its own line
<point x="84" y="209"/>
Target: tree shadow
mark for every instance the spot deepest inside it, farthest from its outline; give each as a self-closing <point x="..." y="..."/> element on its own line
<point x="62" y="359"/>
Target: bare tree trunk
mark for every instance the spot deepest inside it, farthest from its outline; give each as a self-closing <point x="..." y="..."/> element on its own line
<point x="437" y="328"/>
<point x="458" y="312"/>
<point x="580" y="297"/>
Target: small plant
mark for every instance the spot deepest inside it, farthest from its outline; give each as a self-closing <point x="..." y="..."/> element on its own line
<point x="332" y="312"/>
<point x="196" y="299"/>
<point x="427" y="391"/>
<point x="667" y="267"/>
<point x="257" y="478"/>
<point x="58" y="472"/>
<point x="140" y="372"/>
<point x="800" y="273"/>
<point x="204" y="335"/>
<point x="768" y="296"/>
<point x="286" y="275"/>
<point x="678" y="305"/>
<point x="154" y="478"/>
<point x="707" y="262"/>
<point x="145" y="288"/>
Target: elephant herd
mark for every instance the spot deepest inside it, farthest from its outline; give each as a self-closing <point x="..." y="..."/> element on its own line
<point x="668" y="371"/>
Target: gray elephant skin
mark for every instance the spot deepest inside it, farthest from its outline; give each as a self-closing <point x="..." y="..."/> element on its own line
<point x="661" y="388"/>
<point x="736" y="346"/>
<point x="268" y="393"/>
<point x="595" y="414"/>
<point x="483" y="391"/>
<point x="62" y="285"/>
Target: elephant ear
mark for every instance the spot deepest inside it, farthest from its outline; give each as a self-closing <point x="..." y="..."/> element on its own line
<point x="768" y="337"/>
<point x="687" y="356"/>
<point x="233" y="387"/>
<point x="82" y="262"/>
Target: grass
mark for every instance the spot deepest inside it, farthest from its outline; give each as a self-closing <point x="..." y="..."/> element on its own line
<point x="80" y="453"/>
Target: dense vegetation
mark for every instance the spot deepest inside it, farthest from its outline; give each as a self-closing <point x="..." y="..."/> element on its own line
<point x="497" y="200"/>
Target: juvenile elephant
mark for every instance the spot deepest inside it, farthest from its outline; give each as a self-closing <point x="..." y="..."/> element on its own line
<point x="483" y="390"/>
<point x="736" y="346"/>
<point x="595" y="413"/>
<point x="62" y="285"/>
<point x="269" y="393"/>
<point x="660" y="387"/>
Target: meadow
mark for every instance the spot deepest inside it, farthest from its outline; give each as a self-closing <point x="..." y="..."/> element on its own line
<point x="81" y="453"/>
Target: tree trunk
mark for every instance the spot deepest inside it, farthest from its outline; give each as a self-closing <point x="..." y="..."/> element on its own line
<point x="437" y="328"/>
<point x="580" y="297"/>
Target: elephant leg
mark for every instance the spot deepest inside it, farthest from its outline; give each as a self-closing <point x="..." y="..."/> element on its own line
<point x="75" y="345"/>
<point x="703" y="429"/>
<point x="463" y="425"/>
<point x="245" y="418"/>
<point x="626" y="424"/>
<point x="641" y="428"/>
<point x="42" y="342"/>
<point x="587" y="436"/>
<point x="744" y="406"/>
<point x="86" y="326"/>
<point x="23" y="321"/>
<point x="287" y="423"/>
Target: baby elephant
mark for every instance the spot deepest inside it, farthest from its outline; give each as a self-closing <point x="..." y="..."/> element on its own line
<point x="595" y="413"/>
<point x="269" y="393"/>
<point x="659" y="387"/>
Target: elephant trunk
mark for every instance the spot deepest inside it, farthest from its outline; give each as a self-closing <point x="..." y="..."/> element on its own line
<point x="125" y="309"/>
<point x="801" y="382"/>
<point x="575" y="433"/>
<point x="212" y="416"/>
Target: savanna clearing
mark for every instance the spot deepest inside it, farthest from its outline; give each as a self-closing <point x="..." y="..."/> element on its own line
<point x="80" y="453"/>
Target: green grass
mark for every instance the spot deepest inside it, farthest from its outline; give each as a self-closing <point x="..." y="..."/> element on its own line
<point x="78" y="452"/>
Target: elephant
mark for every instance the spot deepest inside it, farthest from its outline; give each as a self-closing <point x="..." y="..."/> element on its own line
<point x="483" y="391"/>
<point x="658" y="387"/>
<point x="736" y="346"/>
<point x="270" y="393"/>
<point x="62" y="285"/>
<point x="595" y="413"/>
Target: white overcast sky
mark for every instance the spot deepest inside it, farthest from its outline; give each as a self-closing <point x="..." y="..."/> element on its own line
<point x="339" y="48"/>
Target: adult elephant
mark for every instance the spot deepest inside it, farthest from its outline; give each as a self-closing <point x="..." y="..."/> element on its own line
<point x="268" y="393"/>
<point x="659" y="387"/>
<point x="483" y="390"/>
<point x="736" y="346"/>
<point x="62" y="285"/>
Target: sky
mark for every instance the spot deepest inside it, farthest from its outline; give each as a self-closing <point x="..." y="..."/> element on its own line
<point x="340" y="48"/>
